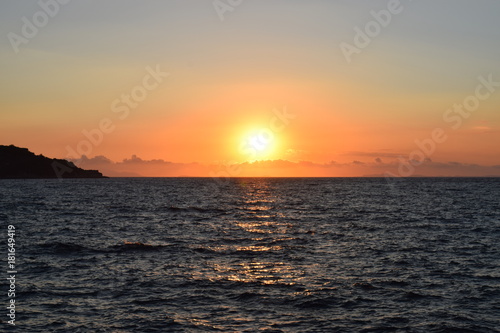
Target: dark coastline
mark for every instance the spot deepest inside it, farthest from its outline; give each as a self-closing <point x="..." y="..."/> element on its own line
<point x="20" y="163"/>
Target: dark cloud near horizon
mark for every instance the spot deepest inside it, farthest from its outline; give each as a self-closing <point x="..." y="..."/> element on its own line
<point x="136" y="166"/>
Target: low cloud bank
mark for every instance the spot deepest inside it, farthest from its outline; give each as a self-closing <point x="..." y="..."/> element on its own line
<point x="137" y="167"/>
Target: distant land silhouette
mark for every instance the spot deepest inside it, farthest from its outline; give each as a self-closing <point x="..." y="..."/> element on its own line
<point x="17" y="163"/>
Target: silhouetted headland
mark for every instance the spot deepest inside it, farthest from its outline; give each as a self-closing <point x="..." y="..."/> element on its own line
<point x="19" y="163"/>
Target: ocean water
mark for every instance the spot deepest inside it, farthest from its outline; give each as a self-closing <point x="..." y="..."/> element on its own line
<point x="254" y="255"/>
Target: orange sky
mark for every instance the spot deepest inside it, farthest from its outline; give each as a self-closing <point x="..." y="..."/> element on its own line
<point x="174" y="82"/>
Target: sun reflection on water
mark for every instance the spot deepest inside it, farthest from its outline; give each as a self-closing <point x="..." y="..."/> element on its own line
<point x="258" y="272"/>
<point x="262" y="232"/>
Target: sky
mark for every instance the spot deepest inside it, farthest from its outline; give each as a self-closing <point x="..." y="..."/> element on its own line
<point x="229" y="88"/>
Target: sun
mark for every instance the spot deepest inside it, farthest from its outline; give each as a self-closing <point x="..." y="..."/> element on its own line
<point x="258" y="145"/>
<point x="259" y="142"/>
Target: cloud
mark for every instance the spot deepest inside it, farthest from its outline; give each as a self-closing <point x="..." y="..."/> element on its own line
<point x="371" y="154"/>
<point x="138" y="167"/>
<point x="137" y="160"/>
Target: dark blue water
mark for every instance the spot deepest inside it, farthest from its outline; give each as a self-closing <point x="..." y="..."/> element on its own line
<point x="254" y="255"/>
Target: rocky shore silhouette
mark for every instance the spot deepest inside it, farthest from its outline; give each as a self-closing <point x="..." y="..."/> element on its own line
<point x="19" y="163"/>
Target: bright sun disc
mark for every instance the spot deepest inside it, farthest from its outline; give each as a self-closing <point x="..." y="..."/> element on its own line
<point x="259" y="142"/>
<point x="259" y="145"/>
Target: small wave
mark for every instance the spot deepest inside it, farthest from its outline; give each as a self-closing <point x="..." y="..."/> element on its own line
<point x="456" y="329"/>
<point x="364" y="286"/>
<point x="63" y="248"/>
<point x="411" y="295"/>
<point x="317" y="303"/>
<point x="138" y="246"/>
<point x="238" y="250"/>
<point x="151" y="301"/>
<point x="395" y="283"/>
<point x="246" y="296"/>
<point x="194" y="209"/>
<point x="381" y="329"/>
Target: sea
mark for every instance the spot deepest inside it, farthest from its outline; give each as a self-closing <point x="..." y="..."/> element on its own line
<point x="252" y="255"/>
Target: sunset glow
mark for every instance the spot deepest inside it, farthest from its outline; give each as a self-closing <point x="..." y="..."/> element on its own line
<point x="250" y="165"/>
<point x="310" y="88"/>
